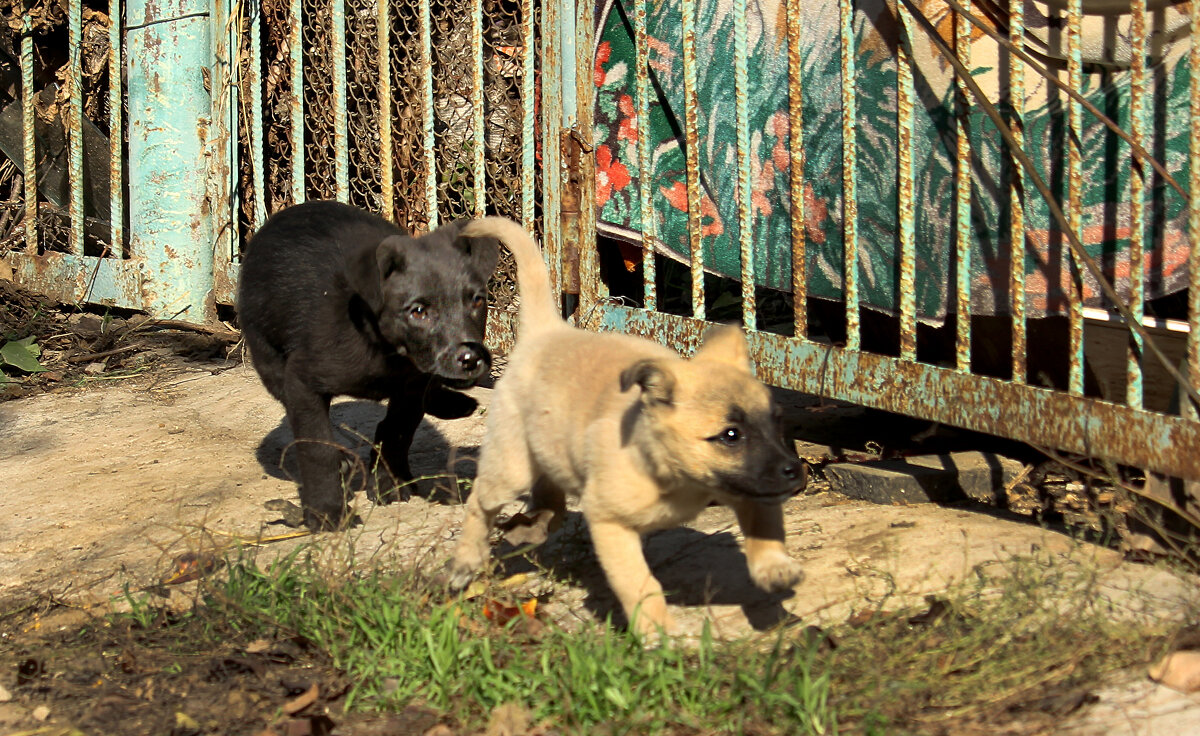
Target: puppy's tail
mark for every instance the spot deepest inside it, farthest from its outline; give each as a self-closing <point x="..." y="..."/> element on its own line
<point x="538" y="307"/>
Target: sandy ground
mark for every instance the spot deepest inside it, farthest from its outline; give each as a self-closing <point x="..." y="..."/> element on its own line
<point x="104" y="485"/>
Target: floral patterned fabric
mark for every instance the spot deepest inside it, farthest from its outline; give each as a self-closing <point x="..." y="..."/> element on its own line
<point x="1106" y="159"/>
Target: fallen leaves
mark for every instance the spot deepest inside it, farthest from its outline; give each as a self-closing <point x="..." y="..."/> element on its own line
<point x="191" y="566"/>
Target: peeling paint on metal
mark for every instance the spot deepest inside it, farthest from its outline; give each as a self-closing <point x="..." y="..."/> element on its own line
<point x="1074" y="194"/>
<point x="645" y="172"/>
<point x="296" y="101"/>
<point x="74" y="124"/>
<point x="741" y="77"/>
<point x="1016" y="86"/>
<point x="962" y="197"/>
<point x="1137" y="200"/>
<point x="383" y="24"/>
<point x="30" y="138"/>
<point x="849" y="171"/>
<point x="691" y="143"/>
<point x="1193" y="345"/>
<point x="796" y="173"/>
<point x="908" y="250"/>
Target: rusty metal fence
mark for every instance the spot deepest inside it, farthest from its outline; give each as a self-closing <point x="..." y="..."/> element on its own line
<point x="171" y="130"/>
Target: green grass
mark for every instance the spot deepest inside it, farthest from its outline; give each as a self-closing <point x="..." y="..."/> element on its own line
<point x="1002" y="645"/>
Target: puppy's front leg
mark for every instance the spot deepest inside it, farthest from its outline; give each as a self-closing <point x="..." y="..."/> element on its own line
<point x="393" y="438"/>
<point x="321" y="494"/>
<point x="619" y="550"/>
<point x="771" y="568"/>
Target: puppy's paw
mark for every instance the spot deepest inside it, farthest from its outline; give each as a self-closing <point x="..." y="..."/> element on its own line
<point x="457" y="576"/>
<point x="774" y="571"/>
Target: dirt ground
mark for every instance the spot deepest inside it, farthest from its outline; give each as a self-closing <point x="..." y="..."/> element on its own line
<point x="108" y="482"/>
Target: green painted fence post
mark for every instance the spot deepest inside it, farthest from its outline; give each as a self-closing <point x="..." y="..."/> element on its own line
<point x="168" y="45"/>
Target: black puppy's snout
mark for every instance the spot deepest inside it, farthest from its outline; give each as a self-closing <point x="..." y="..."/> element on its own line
<point x="468" y="358"/>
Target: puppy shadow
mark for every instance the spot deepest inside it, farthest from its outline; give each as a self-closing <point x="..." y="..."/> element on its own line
<point x="696" y="569"/>
<point x="436" y="465"/>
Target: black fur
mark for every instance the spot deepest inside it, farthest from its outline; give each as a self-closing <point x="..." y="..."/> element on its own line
<point x="334" y="300"/>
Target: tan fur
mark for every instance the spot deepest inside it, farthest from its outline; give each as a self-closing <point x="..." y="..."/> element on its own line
<point x="637" y="464"/>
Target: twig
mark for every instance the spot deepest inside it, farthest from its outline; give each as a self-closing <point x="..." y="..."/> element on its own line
<point x="104" y="354"/>
<point x="223" y="333"/>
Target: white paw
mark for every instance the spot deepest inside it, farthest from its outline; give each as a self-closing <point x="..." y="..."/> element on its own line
<point x="775" y="571"/>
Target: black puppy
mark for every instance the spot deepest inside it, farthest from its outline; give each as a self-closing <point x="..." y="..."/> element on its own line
<point x="334" y="300"/>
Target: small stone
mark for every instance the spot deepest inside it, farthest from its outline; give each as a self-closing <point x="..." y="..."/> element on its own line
<point x="41" y="713"/>
<point x="5" y="695"/>
<point x="93" y="369"/>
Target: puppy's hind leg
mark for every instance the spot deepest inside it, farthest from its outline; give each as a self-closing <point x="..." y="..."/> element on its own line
<point x="505" y="472"/>
<point x="321" y="494"/>
<point x="771" y="567"/>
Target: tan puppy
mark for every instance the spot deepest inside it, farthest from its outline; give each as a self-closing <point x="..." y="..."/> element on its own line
<point x="644" y="439"/>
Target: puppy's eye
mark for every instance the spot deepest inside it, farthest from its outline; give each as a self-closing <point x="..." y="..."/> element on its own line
<point x="478" y="301"/>
<point x="729" y="436"/>
<point x="418" y="312"/>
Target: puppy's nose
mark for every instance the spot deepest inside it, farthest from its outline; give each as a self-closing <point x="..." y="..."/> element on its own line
<point x="793" y="470"/>
<point x="467" y="359"/>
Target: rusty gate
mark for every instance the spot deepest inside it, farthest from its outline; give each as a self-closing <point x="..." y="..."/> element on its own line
<point x="844" y="177"/>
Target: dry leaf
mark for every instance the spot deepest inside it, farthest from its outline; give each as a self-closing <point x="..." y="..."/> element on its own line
<point x="508" y="719"/>
<point x="302" y="701"/>
<point x="191" y="566"/>
<point x="258" y="646"/>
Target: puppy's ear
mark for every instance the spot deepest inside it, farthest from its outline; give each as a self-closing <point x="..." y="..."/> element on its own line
<point x="656" y="380"/>
<point x="483" y="253"/>
<point x="726" y="344"/>
<point x="367" y="269"/>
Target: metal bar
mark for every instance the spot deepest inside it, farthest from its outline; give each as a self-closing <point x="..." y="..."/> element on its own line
<point x="691" y="132"/>
<point x="648" y="217"/>
<point x="796" y="171"/>
<point x="431" y="211"/>
<point x="962" y="199"/>
<point x="1190" y="409"/>
<point x="30" y="137"/>
<point x="908" y="251"/>
<point x="116" y="195"/>
<point x="1041" y="416"/>
<point x="1016" y="192"/>
<point x="387" y="186"/>
<point x="478" y="180"/>
<point x="296" y="47"/>
<point x="257" y="140"/>
<point x="1074" y="201"/>
<point x="341" y="132"/>
<point x="171" y="225"/>
<point x="552" y="121"/>
<point x="1137" y="201"/>
<point x="74" y="124"/>
<point x="528" y="124"/>
<point x="592" y="289"/>
<point x="745" y="210"/>
<point x="849" y="172"/>
<point x="233" y="120"/>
